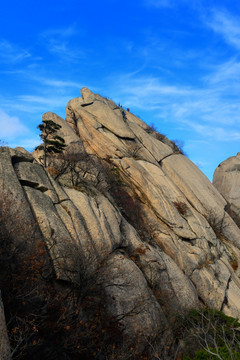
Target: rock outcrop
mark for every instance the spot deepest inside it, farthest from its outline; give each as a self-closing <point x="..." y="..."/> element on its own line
<point x="141" y="211"/>
<point x="226" y="179"/>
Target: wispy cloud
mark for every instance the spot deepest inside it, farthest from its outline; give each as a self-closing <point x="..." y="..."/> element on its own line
<point x="150" y="93"/>
<point x="65" y="51"/>
<point x="37" y="103"/>
<point x="223" y="134"/>
<point x="149" y="90"/>
<point x="227" y="72"/>
<point x="11" y="126"/>
<point x="227" y="25"/>
<point x="35" y="99"/>
<point x="59" y="83"/>
<point x="58" y="42"/>
<point x="207" y="109"/>
<point x="12" y="53"/>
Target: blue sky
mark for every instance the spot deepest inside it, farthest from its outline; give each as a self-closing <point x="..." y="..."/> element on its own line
<point x="175" y="63"/>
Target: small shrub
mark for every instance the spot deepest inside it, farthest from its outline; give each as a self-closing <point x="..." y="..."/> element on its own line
<point x="208" y="334"/>
<point x="135" y="150"/>
<point x="215" y="223"/>
<point x="221" y="353"/>
<point x="151" y="128"/>
<point x="181" y="207"/>
<point x="160" y="137"/>
<point x="178" y="147"/>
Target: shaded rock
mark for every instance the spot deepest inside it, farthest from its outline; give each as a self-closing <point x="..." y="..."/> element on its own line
<point x="231" y="307"/>
<point x="56" y="236"/>
<point x="212" y="283"/>
<point x="14" y="207"/>
<point x="20" y="154"/>
<point x="171" y="286"/>
<point x="226" y="179"/>
<point x="5" y="350"/>
<point x="130" y="299"/>
<point x="100" y="221"/>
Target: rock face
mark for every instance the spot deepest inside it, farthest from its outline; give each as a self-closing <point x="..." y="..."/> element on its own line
<point x="141" y="208"/>
<point x="5" y="350"/>
<point x="226" y="179"/>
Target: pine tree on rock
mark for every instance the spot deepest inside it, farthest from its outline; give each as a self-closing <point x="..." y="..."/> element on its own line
<point x="52" y="143"/>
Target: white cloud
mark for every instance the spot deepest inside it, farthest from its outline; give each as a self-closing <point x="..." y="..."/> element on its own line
<point x="35" y="99"/>
<point x="225" y="24"/>
<point x="208" y="110"/>
<point x="58" y="42"/>
<point x="36" y="102"/>
<point x="11" y="126"/>
<point x="12" y="53"/>
<point x="60" y="83"/>
<point x="223" y="134"/>
<point x="226" y="72"/>
<point x="146" y="91"/>
<point x="65" y="51"/>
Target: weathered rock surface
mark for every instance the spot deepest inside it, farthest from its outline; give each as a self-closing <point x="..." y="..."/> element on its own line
<point x="226" y="179"/>
<point x="159" y="226"/>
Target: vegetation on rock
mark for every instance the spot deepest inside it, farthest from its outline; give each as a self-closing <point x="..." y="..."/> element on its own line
<point x="52" y="143"/>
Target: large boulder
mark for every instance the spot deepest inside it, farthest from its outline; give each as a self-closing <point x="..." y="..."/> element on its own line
<point x="226" y="179"/>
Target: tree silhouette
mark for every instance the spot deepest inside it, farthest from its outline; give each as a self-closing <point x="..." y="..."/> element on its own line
<point x="52" y="143"/>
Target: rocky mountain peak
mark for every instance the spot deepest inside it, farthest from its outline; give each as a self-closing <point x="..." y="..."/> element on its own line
<point x="122" y="201"/>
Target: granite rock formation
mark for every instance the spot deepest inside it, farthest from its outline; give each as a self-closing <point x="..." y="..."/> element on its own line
<point x="141" y="210"/>
<point x="226" y="179"/>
